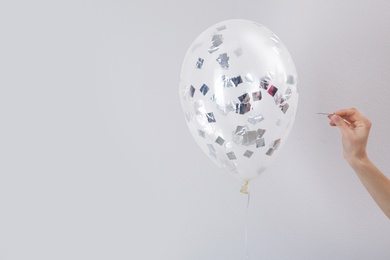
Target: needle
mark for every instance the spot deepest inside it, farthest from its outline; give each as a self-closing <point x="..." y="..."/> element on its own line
<point x="326" y="114"/>
<point x="329" y="114"/>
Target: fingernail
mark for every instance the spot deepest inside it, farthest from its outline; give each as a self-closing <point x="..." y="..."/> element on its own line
<point x="335" y="118"/>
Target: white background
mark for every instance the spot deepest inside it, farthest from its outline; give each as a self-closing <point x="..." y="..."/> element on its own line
<point x="96" y="161"/>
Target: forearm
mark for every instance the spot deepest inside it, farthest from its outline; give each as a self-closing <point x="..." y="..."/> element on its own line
<point x="376" y="183"/>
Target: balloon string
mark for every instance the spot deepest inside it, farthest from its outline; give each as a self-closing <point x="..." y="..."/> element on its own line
<point x="246" y="225"/>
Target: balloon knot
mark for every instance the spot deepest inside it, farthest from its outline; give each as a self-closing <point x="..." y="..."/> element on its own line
<point x="245" y="188"/>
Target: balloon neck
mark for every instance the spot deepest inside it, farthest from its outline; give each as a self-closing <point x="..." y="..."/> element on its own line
<point x="245" y="188"/>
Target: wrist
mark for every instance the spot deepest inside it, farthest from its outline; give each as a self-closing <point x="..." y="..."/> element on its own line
<point x="358" y="161"/>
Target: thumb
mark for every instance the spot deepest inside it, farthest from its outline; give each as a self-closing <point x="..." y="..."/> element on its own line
<point x="340" y="123"/>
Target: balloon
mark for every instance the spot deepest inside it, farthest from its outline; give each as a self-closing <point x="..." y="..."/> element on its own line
<point x="238" y="91"/>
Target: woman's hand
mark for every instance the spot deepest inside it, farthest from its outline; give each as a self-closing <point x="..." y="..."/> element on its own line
<point x="355" y="129"/>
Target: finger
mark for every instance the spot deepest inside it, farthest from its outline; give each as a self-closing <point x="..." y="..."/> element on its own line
<point x="351" y="114"/>
<point x="340" y="123"/>
<point x="333" y="124"/>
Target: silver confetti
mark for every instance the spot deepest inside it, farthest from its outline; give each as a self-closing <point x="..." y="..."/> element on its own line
<point x="223" y="60"/>
<point x="290" y="80"/>
<point x="188" y="92"/>
<point x="210" y="117"/>
<point x="231" y="156"/>
<point x="260" y="133"/>
<point x="201" y="133"/>
<point x="199" y="107"/>
<point x="236" y="80"/>
<point x="245" y="137"/>
<point x="284" y="108"/>
<point x="223" y="108"/>
<point x="256" y="96"/>
<point x="277" y="98"/>
<point x="249" y="78"/>
<point x="228" y="145"/>
<point x="217" y="41"/>
<point x="288" y="93"/>
<point x="243" y="108"/>
<point x="248" y="153"/>
<point x="204" y="89"/>
<point x="220" y="140"/>
<point x="213" y="48"/>
<point x="249" y="138"/>
<point x="255" y="119"/>
<point x="199" y="63"/>
<point x="260" y="143"/>
<point x="212" y="151"/>
<point x="231" y="82"/>
<point x="280" y="99"/>
<point x="244" y="98"/>
<point x="264" y="82"/>
<point x="227" y="82"/>
<point x="276" y="144"/>
<point x="239" y="134"/>
<point x="192" y="91"/>
<point x="211" y="148"/>
<point x="270" y="152"/>
<point x="241" y="130"/>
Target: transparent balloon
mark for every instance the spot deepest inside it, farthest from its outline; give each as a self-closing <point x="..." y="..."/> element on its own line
<point x="238" y="90"/>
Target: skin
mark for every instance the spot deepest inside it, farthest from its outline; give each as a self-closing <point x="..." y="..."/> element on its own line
<point x="355" y="129"/>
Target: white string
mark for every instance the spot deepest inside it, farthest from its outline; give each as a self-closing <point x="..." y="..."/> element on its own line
<point x="246" y="226"/>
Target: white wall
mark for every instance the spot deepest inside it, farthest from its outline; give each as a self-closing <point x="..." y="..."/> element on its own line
<point x="96" y="161"/>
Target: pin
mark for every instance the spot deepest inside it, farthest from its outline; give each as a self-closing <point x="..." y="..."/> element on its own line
<point x="325" y="114"/>
<point x="330" y="114"/>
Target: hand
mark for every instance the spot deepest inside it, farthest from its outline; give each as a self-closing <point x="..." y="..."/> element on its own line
<point x="355" y="129"/>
